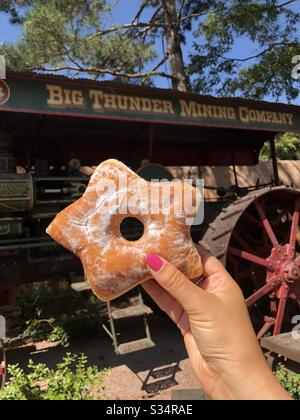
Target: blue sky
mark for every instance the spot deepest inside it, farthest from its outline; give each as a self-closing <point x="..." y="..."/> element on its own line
<point x="123" y="13"/>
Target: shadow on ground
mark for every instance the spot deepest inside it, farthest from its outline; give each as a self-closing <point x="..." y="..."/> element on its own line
<point x="142" y="374"/>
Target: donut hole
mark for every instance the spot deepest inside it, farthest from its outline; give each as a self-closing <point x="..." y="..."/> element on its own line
<point x="132" y="229"/>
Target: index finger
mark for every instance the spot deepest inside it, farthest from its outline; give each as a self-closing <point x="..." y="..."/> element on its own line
<point x="167" y="304"/>
<point x="211" y="265"/>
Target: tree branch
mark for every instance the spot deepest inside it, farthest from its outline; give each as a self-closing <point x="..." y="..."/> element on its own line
<point x="285" y="4"/>
<point x="193" y="15"/>
<point x="277" y="44"/>
<point x="143" y="32"/>
<point x="103" y="71"/>
<point x="220" y="9"/>
<point x="156" y="67"/>
<point x="126" y="27"/>
<point x="159" y="64"/>
<point x="140" y="11"/>
<point x="156" y="13"/>
<point x="181" y="9"/>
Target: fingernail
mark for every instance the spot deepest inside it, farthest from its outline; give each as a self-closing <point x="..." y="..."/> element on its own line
<point x="154" y="262"/>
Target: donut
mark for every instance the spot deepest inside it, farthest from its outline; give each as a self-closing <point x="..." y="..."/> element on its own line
<point x="90" y="228"/>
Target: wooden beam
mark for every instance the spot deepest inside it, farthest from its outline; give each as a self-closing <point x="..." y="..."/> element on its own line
<point x="284" y="344"/>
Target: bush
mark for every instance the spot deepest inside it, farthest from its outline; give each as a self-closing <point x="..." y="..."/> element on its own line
<point x="289" y="380"/>
<point x="45" y="329"/>
<point x="287" y="147"/>
<point x="71" y="380"/>
<point x="54" y="312"/>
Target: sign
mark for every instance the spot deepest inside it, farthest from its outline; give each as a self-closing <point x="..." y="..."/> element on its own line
<point x="90" y="99"/>
<point x="4" y="93"/>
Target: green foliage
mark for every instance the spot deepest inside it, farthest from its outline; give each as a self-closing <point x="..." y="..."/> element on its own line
<point x="33" y="301"/>
<point x="71" y="380"/>
<point x="81" y="38"/>
<point x="289" y="380"/>
<point x="58" y="334"/>
<point x="271" y="26"/>
<point x="45" y="299"/>
<point x="287" y="147"/>
<point x="68" y="36"/>
<point x="45" y="329"/>
<point x="56" y="314"/>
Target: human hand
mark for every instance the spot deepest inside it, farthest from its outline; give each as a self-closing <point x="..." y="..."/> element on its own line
<point x="218" y="335"/>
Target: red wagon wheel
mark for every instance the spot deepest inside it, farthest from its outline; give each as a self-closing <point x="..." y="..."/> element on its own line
<point x="258" y="239"/>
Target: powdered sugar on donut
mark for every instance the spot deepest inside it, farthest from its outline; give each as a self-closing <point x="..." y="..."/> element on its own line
<point x="90" y="228"/>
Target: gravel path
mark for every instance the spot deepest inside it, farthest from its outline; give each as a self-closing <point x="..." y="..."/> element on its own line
<point x="151" y="373"/>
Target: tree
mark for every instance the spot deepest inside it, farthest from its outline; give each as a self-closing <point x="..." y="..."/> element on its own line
<point x="79" y="37"/>
<point x="287" y="147"/>
<point x="71" y="36"/>
<point x="271" y="25"/>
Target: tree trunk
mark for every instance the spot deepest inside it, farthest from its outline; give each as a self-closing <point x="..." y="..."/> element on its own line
<point x="174" y="51"/>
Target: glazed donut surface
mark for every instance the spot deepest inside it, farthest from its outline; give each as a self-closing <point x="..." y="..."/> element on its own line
<point x="90" y="228"/>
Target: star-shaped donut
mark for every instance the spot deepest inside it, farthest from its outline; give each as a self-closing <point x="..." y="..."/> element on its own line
<point x="90" y="228"/>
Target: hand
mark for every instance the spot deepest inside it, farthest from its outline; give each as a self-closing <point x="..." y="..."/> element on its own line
<point x="218" y="335"/>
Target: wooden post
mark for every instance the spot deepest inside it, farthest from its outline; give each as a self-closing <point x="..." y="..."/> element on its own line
<point x="274" y="162"/>
<point x="151" y="141"/>
<point x="234" y="169"/>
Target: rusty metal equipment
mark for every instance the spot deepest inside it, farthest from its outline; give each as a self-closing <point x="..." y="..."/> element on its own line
<point x="284" y="345"/>
<point x="27" y="203"/>
<point x="257" y="239"/>
<point x="46" y="139"/>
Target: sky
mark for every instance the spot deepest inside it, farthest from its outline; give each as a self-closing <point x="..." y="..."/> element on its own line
<point x="123" y="13"/>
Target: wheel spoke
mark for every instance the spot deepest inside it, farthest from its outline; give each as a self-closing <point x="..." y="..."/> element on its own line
<point x="266" y="224"/>
<point x="295" y="223"/>
<point x="242" y="242"/>
<point x="252" y="219"/>
<point x="250" y="257"/>
<point x="273" y="307"/>
<point x="265" y="290"/>
<point x="281" y="310"/>
<point x="268" y="324"/>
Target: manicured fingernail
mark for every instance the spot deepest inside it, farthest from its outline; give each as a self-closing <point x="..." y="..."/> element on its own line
<point x="154" y="262"/>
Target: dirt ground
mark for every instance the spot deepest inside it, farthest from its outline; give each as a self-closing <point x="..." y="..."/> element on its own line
<point x="151" y="373"/>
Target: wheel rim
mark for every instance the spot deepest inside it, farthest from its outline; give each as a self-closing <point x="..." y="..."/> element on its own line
<point x="280" y="262"/>
<point x="261" y="250"/>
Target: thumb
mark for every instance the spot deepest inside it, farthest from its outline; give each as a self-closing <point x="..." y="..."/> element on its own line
<point x="191" y="297"/>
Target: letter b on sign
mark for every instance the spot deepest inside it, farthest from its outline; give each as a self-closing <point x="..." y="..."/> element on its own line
<point x="2" y="327"/>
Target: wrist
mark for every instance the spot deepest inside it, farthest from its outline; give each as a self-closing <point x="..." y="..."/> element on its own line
<point x="249" y="382"/>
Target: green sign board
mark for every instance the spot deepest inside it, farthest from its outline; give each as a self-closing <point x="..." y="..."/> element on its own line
<point x="88" y="99"/>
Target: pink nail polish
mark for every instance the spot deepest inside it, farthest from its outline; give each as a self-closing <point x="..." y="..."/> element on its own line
<point x="154" y="262"/>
